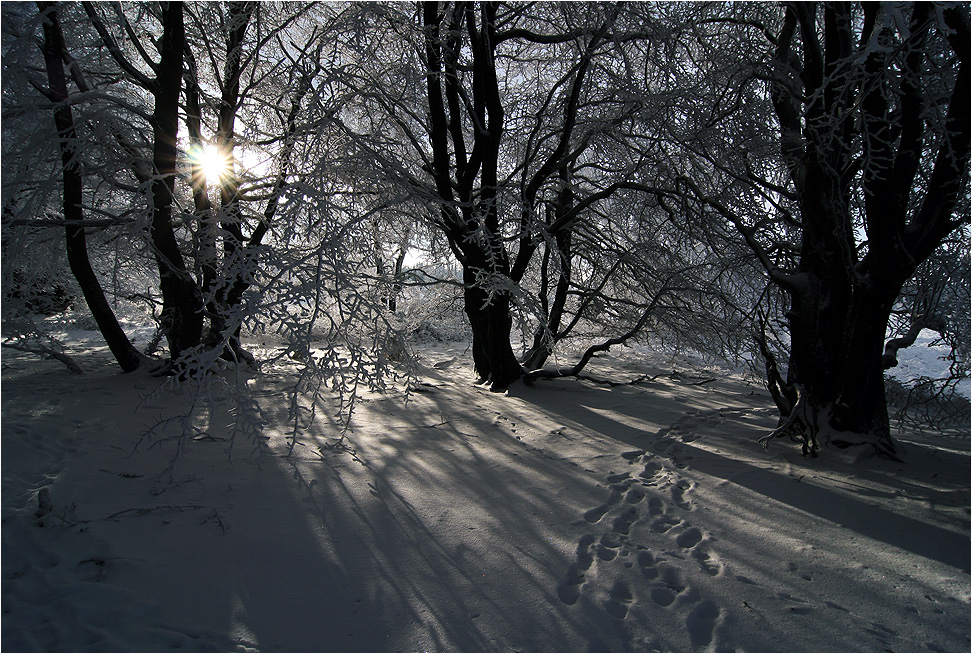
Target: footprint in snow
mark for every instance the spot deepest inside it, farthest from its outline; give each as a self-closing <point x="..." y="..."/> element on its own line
<point x="663" y="596"/>
<point x="665" y="591"/>
<point x="653" y="473"/>
<point x="679" y="491"/>
<point x="679" y="460"/>
<point x="701" y="623"/>
<point x="648" y="565"/>
<point x="619" y="601"/>
<point x="689" y="538"/>
<point x="662" y="524"/>
<point x="584" y="556"/>
<point x="622" y="524"/>
<point x="595" y="514"/>
<point x="606" y="547"/>
<point x="709" y="563"/>
<point x="569" y="589"/>
<point x="612" y="540"/>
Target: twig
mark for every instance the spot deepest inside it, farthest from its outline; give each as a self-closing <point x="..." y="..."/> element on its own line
<point x="153" y="509"/>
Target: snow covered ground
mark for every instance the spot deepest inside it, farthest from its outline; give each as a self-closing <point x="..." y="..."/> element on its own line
<point x="926" y="359"/>
<point x="566" y="516"/>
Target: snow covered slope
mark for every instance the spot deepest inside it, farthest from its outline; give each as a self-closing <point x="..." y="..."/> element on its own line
<point x="566" y="516"/>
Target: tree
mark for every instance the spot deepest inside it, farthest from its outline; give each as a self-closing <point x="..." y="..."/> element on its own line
<point x="913" y="133"/>
<point x="563" y="234"/>
<point x="225" y="278"/>
<point x="182" y="317"/>
<point x="54" y="51"/>
<point x="469" y="216"/>
<point x="872" y="107"/>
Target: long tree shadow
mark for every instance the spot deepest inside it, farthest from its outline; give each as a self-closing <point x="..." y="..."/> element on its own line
<point x="447" y="526"/>
<point x="640" y="417"/>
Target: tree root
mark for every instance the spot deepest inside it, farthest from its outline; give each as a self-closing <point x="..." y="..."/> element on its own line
<point x="799" y="425"/>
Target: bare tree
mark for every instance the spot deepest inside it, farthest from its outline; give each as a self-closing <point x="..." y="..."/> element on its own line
<point x="56" y="91"/>
<point x="871" y="104"/>
<point x="182" y="303"/>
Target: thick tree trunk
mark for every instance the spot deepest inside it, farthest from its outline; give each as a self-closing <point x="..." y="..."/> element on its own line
<point x="861" y="407"/>
<point x="124" y="352"/>
<point x="489" y="317"/>
<point x="836" y="355"/>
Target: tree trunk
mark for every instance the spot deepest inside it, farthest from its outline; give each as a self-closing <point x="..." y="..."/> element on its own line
<point x="861" y="407"/>
<point x="182" y="316"/>
<point x="548" y="333"/>
<point x="838" y="317"/>
<point x="836" y="355"/>
<point x="489" y="317"/>
<point x="124" y="352"/>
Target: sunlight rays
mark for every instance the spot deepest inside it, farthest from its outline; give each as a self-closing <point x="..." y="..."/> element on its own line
<point x="214" y="167"/>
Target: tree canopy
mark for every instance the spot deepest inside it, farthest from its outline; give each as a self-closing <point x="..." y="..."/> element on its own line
<point x="781" y="181"/>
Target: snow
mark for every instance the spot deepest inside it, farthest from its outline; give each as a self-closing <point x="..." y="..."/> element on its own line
<point x="927" y="358"/>
<point x="566" y="516"/>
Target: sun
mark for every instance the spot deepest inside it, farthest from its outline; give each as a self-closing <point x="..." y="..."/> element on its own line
<point x="214" y="165"/>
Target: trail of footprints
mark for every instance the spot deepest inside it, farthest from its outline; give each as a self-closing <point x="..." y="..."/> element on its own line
<point x="643" y="523"/>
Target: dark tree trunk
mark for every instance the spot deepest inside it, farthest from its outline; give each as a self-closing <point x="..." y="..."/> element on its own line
<point x="124" y="352"/>
<point x="548" y="333"/>
<point x="473" y="230"/>
<point x="182" y="316"/>
<point x="489" y="318"/>
<point x="836" y="355"/>
<point x="841" y="299"/>
<point x="861" y="407"/>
